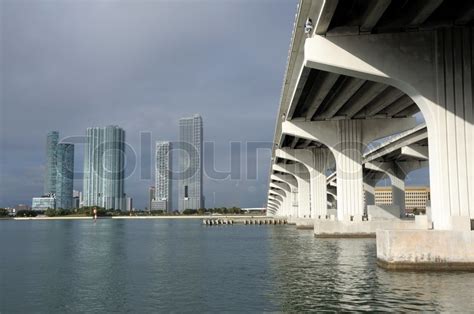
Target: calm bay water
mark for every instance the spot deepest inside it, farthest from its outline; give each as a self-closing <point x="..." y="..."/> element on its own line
<point x="182" y="266"/>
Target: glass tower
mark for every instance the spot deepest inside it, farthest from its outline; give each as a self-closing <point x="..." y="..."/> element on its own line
<point x="162" y="176"/>
<point x="190" y="194"/>
<point x="104" y="162"/>
<point x="64" y="175"/>
<point x="50" y="174"/>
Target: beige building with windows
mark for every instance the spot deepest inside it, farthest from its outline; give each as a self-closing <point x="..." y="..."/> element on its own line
<point x="415" y="197"/>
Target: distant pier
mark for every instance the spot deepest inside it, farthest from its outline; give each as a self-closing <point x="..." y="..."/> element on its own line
<point x="243" y="221"/>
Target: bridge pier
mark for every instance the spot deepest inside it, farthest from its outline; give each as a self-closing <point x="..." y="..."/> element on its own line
<point x="291" y="202"/>
<point x="370" y="181"/>
<point x="346" y="139"/>
<point x="359" y="229"/>
<point x="350" y="81"/>
<point x="276" y="190"/>
<point x="435" y="69"/>
<point x="315" y="160"/>
<point x="286" y="206"/>
<point x="300" y="173"/>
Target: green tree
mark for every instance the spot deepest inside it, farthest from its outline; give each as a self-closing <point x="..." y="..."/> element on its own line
<point x="189" y="211"/>
<point x="50" y="212"/>
<point x="4" y="212"/>
<point x="26" y="213"/>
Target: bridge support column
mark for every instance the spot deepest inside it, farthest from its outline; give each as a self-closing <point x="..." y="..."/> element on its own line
<point x="346" y="139"/>
<point x="369" y="191"/>
<point x="318" y="183"/>
<point x="286" y="205"/>
<point x="434" y="68"/>
<point x="398" y="193"/>
<point x="291" y="205"/>
<point x="301" y="175"/>
<point x="315" y="160"/>
<point x="348" y="154"/>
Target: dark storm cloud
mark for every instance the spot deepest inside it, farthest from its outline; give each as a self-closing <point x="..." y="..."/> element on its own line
<point x="68" y="65"/>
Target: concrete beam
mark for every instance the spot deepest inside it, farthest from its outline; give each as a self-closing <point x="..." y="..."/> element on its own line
<point x="282" y="186"/>
<point x="319" y="91"/>
<point x="325" y="14"/>
<point x="387" y="98"/>
<point x="277" y="190"/>
<point x="338" y="99"/>
<point x="364" y="96"/>
<point x="374" y="12"/>
<point x="329" y="132"/>
<point x="415" y="151"/>
<point x="411" y="137"/>
<point x="276" y="197"/>
<point x="423" y="10"/>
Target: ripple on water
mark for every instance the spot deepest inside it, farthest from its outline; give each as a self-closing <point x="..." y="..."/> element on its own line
<point x="182" y="266"/>
<point x="341" y="274"/>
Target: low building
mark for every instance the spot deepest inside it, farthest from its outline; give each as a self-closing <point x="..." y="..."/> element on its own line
<point x="416" y="198"/>
<point x="254" y="210"/>
<point x="159" y="205"/>
<point x="43" y="203"/>
<point x="22" y="207"/>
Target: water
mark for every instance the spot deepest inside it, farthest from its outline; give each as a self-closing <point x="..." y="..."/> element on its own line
<point x="182" y="266"/>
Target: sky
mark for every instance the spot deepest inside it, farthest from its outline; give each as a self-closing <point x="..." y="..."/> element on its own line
<point x="67" y="65"/>
<point x="142" y="65"/>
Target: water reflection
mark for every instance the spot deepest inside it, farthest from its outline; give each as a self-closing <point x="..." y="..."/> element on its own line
<point x="341" y="275"/>
<point x="182" y="266"/>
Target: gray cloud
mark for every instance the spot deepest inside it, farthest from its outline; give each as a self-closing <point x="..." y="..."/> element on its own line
<point x="68" y="65"/>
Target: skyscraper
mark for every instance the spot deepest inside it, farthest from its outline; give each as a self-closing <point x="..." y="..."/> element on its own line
<point x="50" y="173"/>
<point x="190" y="194"/>
<point x="64" y="175"/>
<point x="59" y="174"/>
<point x="162" y="176"/>
<point x="104" y="161"/>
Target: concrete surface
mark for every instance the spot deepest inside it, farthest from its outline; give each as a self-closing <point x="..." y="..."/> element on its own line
<point x="304" y="223"/>
<point x="377" y="212"/>
<point x="425" y="249"/>
<point x="358" y="229"/>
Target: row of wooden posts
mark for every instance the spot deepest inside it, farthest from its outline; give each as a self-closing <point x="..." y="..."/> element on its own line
<point x="215" y="222"/>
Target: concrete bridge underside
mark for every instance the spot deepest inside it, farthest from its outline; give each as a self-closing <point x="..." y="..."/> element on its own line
<point x="359" y="71"/>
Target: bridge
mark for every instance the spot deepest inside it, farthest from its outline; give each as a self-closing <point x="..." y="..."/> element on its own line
<point x="357" y="72"/>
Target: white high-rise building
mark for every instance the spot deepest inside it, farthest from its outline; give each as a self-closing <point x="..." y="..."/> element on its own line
<point x="190" y="195"/>
<point x="162" y="195"/>
<point x="51" y="167"/>
<point x="104" y="162"/>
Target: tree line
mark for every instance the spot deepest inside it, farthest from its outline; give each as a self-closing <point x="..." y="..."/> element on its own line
<point x="103" y="212"/>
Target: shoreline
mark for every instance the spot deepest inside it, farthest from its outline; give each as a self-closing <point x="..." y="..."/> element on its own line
<point x="136" y="217"/>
